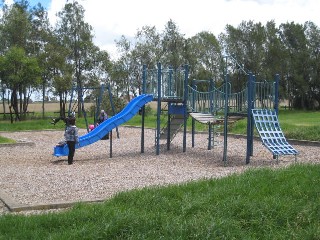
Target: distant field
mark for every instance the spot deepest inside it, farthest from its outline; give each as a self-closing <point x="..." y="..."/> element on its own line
<point x="37" y="107"/>
<point x="54" y="107"/>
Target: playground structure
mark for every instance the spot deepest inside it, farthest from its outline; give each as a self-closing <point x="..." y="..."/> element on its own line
<point x="216" y="106"/>
<point x="78" y="94"/>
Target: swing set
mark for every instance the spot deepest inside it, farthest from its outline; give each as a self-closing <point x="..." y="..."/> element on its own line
<point x="75" y="100"/>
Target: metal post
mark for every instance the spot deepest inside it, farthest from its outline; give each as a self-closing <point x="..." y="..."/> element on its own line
<point x="211" y="87"/>
<point x="193" y="107"/>
<point x="83" y="110"/>
<point x="168" y="127"/>
<point x="276" y="94"/>
<point x="169" y="106"/>
<point x="210" y="136"/>
<point x="226" y="109"/>
<point x="112" y="106"/>
<point x="144" y="74"/>
<point x="185" y="100"/>
<point x="110" y="140"/>
<point x="158" y="109"/>
<point x="249" y="118"/>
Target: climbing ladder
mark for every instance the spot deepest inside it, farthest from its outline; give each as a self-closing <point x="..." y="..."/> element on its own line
<point x="267" y="124"/>
<point x="176" y="122"/>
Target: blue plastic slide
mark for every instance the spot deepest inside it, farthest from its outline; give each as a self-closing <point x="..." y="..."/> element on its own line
<point x="100" y="131"/>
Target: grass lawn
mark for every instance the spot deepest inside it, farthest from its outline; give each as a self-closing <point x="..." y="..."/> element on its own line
<point x="300" y="125"/>
<point x="6" y="140"/>
<point x="258" y="204"/>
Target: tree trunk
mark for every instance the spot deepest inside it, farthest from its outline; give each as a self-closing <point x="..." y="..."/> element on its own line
<point x="43" y="97"/>
<point x="3" y="102"/>
<point x="14" y="104"/>
<point x="62" y="105"/>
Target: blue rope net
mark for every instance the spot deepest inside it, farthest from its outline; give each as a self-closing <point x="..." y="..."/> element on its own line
<point x="272" y="137"/>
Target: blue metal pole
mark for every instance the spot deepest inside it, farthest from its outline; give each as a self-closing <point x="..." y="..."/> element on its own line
<point x="169" y="106"/>
<point x="158" y="109"/>
<point x="211" y="127"/>
<point x="144" y="74"/>
<point x="193" y="107"/>
<point x="249" y="118"/>
<point x="210" y="136"/>
<point x="211" y="87"/>
<point x="112" y="106"/>
<point x="225" y="130"/>
<point x="276" y="94"/>
<point x="83" y="110"/>
<point x="185" y="101"/>
<point x="168" y="127"/>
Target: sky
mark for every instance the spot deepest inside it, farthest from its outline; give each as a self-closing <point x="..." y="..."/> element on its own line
<point x="112" y="18"/>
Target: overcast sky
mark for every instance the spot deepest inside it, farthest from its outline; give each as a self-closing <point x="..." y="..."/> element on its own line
<point x="112" y="18"/>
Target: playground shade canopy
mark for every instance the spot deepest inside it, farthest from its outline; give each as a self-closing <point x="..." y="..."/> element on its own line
<point x="100" y="131"/>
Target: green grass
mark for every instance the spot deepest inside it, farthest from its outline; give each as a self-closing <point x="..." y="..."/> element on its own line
<point x="38" y="124"/>
<point x="300" y="125"/>
<point x="6" y="140"/>
<point x="259" y="204"/>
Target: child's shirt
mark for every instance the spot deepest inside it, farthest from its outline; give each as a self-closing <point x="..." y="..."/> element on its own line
<point x="71" y="134"/>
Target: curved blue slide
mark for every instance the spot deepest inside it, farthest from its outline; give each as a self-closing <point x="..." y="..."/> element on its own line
<point x="100" y="131"/>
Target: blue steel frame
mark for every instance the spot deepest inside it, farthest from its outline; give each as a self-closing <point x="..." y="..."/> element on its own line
<point x="250" y="106"/>
<point x="159" y="96"/>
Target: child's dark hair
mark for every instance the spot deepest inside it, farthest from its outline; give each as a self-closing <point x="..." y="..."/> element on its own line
<point x="71" y="120"/>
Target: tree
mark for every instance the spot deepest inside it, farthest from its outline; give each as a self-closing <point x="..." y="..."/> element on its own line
<point x="172" y="46"/>
<point x="148" y="49"/>
<point x="312" y="33"/>
<point x="295" y="45"/>
<point x="39" y="39"/>
<point x="58" y="70"/>
<point x="206" y="52"/>
<point x="19" y="69"/>
<point x="121" y="73"/>
<point x="18" y="72"/>
<point x="77" y="37"/>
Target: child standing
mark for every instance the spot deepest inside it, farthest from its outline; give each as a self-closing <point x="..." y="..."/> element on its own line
<point x="72" y="138"/>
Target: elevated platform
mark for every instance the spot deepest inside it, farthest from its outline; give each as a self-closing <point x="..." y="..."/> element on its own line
<point x="206" y="118"/>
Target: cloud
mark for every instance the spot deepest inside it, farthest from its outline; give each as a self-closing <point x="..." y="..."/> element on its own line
<point x="111" y="19"/>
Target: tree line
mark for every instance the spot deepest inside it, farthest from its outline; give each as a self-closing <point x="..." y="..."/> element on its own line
<point x="37" y="56"/>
